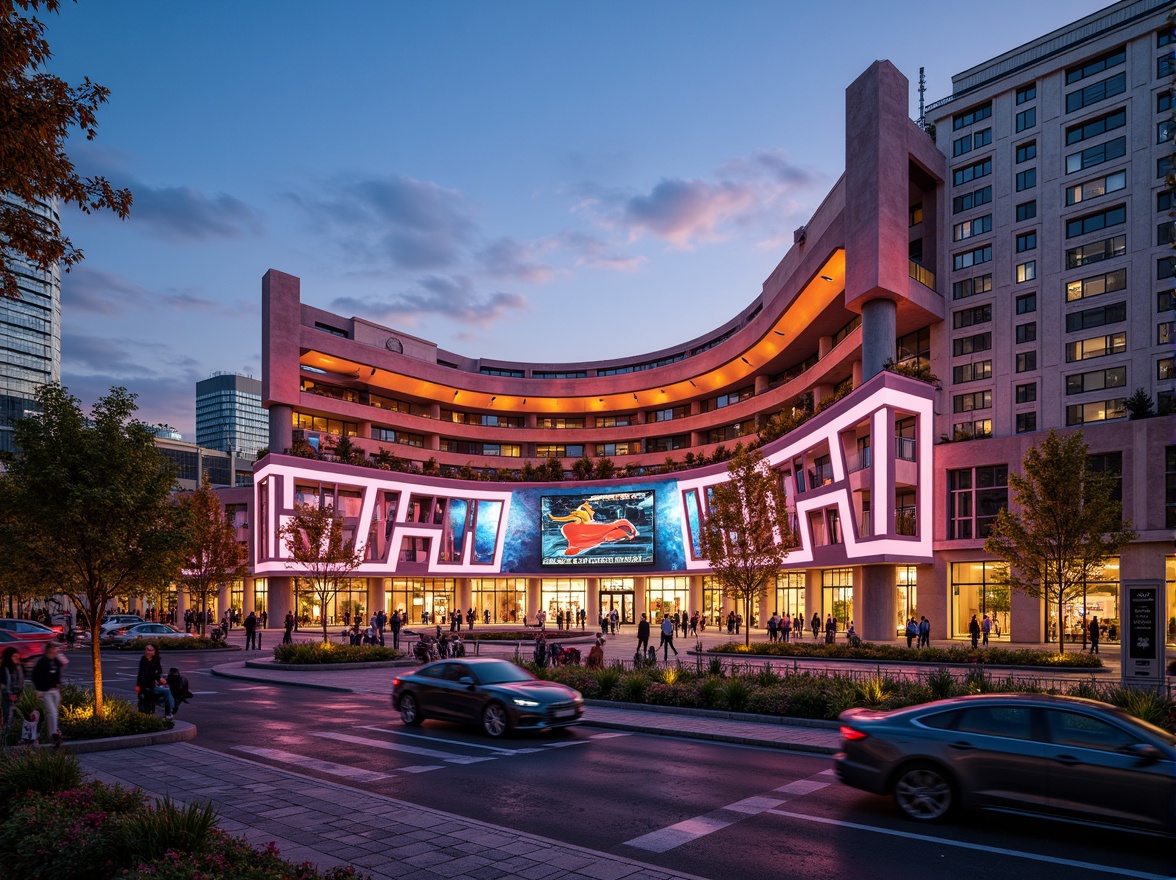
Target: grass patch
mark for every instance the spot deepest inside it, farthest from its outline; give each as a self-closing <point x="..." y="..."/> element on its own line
<point x="327" y="652"/>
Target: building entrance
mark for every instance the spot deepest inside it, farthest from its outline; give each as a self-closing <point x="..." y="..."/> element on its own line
<point x="622" y="600"/>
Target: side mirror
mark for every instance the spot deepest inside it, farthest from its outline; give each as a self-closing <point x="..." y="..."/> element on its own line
<point x="466" y="680"/>
<point x="1146" y="752"/>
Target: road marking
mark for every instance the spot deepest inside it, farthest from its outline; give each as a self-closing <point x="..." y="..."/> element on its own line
<point x="448" y="757"/>
<point x="564" y="745"/>
<point x="981" y="847"/>
<point x="356" y="773"/>
<point x="608" y="735"/>
<point x="452" y="742"/>
<point x="665" y="839"/>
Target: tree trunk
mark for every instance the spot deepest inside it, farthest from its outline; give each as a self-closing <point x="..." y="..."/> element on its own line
<point x="1061" y="629"/>
<point x="747" y="621"/>
<point x="96" y="659"/>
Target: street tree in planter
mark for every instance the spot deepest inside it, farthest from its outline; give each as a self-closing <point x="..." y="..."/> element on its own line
<point x="212" y="556"/>
<point x="746" y="532"/>
<point x="322" y="549"/>
<point x="1066" y="525"/>
<point x="88" y="505"/>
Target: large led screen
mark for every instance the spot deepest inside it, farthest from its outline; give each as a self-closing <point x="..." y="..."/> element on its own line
<point x="605" y="528"/>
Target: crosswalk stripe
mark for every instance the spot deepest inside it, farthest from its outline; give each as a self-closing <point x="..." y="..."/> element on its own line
<point x="448" y="757"/>
<point x="356" y="773"/>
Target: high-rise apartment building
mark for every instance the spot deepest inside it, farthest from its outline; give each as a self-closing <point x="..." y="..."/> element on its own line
<point x="30" y="341"/>
<point x="229" y="415"/>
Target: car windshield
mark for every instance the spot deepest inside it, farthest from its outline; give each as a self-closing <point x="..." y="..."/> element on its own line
<point x="501" y="673"/>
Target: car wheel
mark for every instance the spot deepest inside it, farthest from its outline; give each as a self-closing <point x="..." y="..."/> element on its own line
<point x="494" y="720"/>
<point x="924" y="792"/>
<point x="410" y="711"/>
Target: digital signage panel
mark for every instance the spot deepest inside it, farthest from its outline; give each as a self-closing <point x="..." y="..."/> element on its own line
<point x="597" y="528"/>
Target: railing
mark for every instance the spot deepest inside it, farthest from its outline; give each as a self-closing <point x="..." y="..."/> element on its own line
<point x="904" y="448"/>
<point x="921" y="274"/>
<point x="820" y="476"/>
<point x="860" y="461"/>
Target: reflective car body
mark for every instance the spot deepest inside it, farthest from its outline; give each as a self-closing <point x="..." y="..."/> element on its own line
<point x="131" y="632"/>
<point x="1063" y="757"/>
<point x="27" y="650"/>
<point x="27" y="629"/>
<point x="496" y="695"/>
<point x="112" y="622"/>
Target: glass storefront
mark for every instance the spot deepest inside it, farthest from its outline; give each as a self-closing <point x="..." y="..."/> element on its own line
<point x="906" y="600"/>
<point x="975" y="590"/>
<point x="1099" y="598"/>
<point x="563" y="594"/>
<point x="666" y="596"/>
<point x="618" y="593"/>
<point x="420" y="600"/>
<point x="261" y="595"/>
<point x="712" y="602"/>
<point x="790" y="596"/>
<point x="504" y="598"/>
<point x="237" y="598"/>
<point x="1170" y="581"/>
<point x="837" y="596"/>
<point x="342" y="607"/>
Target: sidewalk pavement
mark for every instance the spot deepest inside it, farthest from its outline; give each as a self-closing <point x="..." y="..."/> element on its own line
<point x="331" y="824"/>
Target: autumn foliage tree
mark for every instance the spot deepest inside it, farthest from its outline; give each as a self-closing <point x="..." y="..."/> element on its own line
<point x="87" y="505"/>
<point x="1064" y="526"/>
<point x="746" y="532"/>
<point x="37" y="113"/>
<point x="322" y="550"/>
<point x="212" y="556"/>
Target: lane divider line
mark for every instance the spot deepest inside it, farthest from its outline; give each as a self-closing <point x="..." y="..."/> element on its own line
<point x="356" y="773"/>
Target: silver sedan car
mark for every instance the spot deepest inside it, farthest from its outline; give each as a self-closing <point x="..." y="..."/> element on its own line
<point x="144" y="631"/>
<point x="1062" y="757"/>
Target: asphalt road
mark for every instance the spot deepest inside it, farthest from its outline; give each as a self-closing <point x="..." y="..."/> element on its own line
<point x="645" y="797"/>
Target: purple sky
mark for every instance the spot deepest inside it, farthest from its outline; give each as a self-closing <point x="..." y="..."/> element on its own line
<point x="526" y="180"/>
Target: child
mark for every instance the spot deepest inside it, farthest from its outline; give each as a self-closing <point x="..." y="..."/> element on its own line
<point x="29" y="733"/>
<point x="178" y="685"/>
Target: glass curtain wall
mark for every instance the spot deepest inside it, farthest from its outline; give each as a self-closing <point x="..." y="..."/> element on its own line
<point x="563" y="594"/>
<point x="906" y="598"/>
<point x="837" y="596"/>
<point x="712" y="602"/>
<point x="790" y="597"/>
<point x="261" y="596"/>
<point x="237" y="598"/>
<point x="504" y="598"/>
<point x="420" y="600"/>
<point x="618" y="593"/>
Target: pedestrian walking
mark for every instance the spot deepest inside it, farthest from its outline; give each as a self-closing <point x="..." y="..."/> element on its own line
<point x="1094" y="633"/>
<point x="287" y="637"/>
<point x="924" y="632"/>
<point x="642" y="636"/>
<point x="985" y="629"/>
<point x="251" y="632"/>
<point x="773" y="622"/>
<point x="912" y="631"/>
<point x="974" y="630"/>
<point x="47" y="682"/>
<point x="830" y="629"/>
<point x="11" y="686"/>
<point x="816" y="625"/>
<point x="667" y="637"/>
<point x="395" y="624"/>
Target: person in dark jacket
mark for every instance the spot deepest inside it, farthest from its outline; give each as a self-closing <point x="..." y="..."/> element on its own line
<point x="178" y="685"/>
<point x="150" y="679"/>
<point x="974" y="631"/>
<point x="643" y="636"/>
<point x="251" y="632"/>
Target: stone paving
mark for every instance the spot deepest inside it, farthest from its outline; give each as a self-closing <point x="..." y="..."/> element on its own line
<point x="331" y="824"/>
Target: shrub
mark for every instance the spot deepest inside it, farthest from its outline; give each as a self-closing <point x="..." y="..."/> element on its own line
<point x="1147" y="705"/>
<point x="710" y="691"/>
<point x="873" y="693"/>
<point x="150" y="834"/>
<point x="999" y="656"/>
<point x="735" y="693"/>
<point x="631" y="688"/>
<point x="942" y="684"/>
<point x="606" y="680"/>
<point x="196" y="643"/>
<point x="35" y="770"/>
<point x="77" y="719"/>
<point x="772" y="700"/>
<point x="326" y="652"/>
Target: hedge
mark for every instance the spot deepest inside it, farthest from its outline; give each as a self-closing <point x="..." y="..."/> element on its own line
<point x="992" y="656"/>
<point x="326" y="652"/>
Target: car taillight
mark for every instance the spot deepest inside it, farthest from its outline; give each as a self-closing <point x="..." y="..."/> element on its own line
<point x="851" y="734"/>
<point x="396" y="682"/>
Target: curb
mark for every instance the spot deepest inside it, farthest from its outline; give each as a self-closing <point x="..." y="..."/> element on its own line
<point x="328" y="667"/>
<point x="718" y="714"/>
<point x="181" y="731"/>
<point x="222" y="672"/>
<point x="913" y="664"/>
<point x="714" y="737"/>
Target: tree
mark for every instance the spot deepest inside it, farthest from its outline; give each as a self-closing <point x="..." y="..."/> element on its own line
<point x="212" y="556"/>
<point x="323" y="549"/>
<point x="37" y="112"/>
<point x="95" y="519"/>
<point x="551" y="470"/>
<point x="746" y="532"/>
<point x="582" y="468"/>
<point x="1066" y="526"/>
<point x="1139" y="405"/>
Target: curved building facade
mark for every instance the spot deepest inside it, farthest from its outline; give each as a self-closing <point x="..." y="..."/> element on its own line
<point x="925" y="257"/>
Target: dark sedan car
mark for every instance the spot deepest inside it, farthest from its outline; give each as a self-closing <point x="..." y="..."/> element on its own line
<point x="496" y="695"/>
<point x="1062" y="757"/>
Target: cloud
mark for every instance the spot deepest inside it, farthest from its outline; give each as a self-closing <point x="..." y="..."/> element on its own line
<point x="508" y="258"/>
<point x="454" y="298"/>
<point x="591" y="252"/>
<point x="755" y="192"/>
<point x="185" y="214"/>
<point x="395" y="222"/>
<point x="95" y="291"/>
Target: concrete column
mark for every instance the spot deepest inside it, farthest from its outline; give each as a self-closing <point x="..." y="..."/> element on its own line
<point x="281" y="428"/>
<point x="640" y="598"/>
<point x="875" y="607"/>
<point x="878" y="334"/>
<point x="182" y="604"/>
<point x="534" y="595"/>
<point x="463" y="594"/>
<point x="222" y="599"/>
<point x="696" y="594"/>
<point x="375" y="595"/>
<point x="812" y="597"/>
<point x="281" y="600"/>
<point x="592" y="601"/>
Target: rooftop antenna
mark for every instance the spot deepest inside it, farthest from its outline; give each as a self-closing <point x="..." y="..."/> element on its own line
<point x="922" y="88"/>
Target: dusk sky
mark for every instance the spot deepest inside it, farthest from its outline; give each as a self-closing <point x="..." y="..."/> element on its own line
<point x="538" y="181"/>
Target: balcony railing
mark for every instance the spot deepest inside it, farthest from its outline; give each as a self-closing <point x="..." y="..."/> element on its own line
<point x="904" y="448"/>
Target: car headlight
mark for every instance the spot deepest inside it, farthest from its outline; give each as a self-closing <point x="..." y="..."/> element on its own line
<point x="520" y="701"/>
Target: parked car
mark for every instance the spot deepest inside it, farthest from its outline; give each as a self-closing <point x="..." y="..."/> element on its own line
<point x="130" y="632"/>
<point x="112" y="622"/>
<point x="28" y="629"/>
<point x="496" y="695"/>
<point x="1063" y="757"/>
<point x="27" y="650"/>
